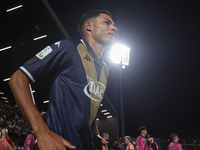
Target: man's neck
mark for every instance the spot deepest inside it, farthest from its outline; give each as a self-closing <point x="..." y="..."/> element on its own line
<point x="3" y="138"/>
<point x="142" y="135"/>
<point x="97" y="47"/>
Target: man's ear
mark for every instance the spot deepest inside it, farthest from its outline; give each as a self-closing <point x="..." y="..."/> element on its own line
<point x="88" y="26"/>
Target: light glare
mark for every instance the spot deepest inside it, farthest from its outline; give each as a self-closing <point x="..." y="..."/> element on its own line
<point x="1" y="93"/>
<point x="40" y="37"/>
<point x="106" y="113"/>
<point x="5" y="48"/>
<point x="120" y="54"/>
<point x="43" y="112"/>
<point x="4" y="98"/>
<point x="104" y="110"/>
<point x="6" y="79"/>
<point x="109" y="116"/>
<point x="46" y="101"/>
<point x="13" y="8"/>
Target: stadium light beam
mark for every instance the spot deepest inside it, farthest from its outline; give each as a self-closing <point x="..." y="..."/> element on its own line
<point x="120" y="54"/>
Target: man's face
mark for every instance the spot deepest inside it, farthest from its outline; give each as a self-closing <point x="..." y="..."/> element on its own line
<point x="176" y="139"/>
<point x="103" y="30"/>
<point x="145" y="132"/>
<point x="126" y="141"/>
<point x="150" y="139"/>
<point x="107" y="137"/>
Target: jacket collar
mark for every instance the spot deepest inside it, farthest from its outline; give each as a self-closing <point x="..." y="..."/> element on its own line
<point x="89" y="48"/>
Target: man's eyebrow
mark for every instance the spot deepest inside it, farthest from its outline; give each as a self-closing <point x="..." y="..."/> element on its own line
<point x="110" y="21"/>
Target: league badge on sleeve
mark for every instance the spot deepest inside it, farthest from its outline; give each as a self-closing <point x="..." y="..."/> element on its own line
<point x="43" y="53"/>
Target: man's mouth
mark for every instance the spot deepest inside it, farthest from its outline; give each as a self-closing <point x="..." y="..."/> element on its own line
<point x="113" y="34"/>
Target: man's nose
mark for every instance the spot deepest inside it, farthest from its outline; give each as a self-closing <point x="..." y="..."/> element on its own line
<point x="114" y="28"/>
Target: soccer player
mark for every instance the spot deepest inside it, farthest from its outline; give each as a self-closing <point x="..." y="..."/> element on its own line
<point x="153" y="145"/>
<point x="80" y="78"/>
<point x="174" y="145"/>
<point x="141" y="143"/>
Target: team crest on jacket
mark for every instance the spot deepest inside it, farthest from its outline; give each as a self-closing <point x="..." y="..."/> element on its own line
<point x="94" y="89"/>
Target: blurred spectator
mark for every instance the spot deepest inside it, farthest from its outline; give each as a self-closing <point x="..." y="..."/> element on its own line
<point x="118" y="145"/>
<point x="11" y="118"/>
<point x="29" y="141"/>
<point x="152" y="144"/>
<point x="3" y="144"/>
<point x="127" y="140"/>
<point x="8" y="139"/>
<point x="105" y="136"/>
<point x="174" y="145"/>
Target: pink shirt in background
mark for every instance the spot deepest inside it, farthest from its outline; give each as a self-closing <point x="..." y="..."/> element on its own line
<point x="29" y="142"/>
<point x="141" y="143"/>
<point x="174" y="146"/>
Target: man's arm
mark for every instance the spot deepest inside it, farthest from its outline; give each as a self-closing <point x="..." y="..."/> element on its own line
<point x="47" y="139"/>
<point x="103" y="147"/>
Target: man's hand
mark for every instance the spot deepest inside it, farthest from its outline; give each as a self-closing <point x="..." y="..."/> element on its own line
<point x="52" y="141"/>
<point x="103" y="142"/>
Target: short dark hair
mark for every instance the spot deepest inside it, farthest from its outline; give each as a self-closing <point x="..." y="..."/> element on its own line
<point x="90" y="15"/>
<point x="142" y="128"/>
<point x="172" y="137"/>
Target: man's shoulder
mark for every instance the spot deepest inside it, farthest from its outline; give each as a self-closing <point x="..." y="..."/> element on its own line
<point x="172" y="144"/>
<point x="138" y="138"/>
<point x="68" y="42"/>
<point x="4" y="144"/>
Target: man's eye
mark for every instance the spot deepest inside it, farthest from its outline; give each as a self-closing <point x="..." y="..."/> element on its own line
<point x="107" y="22"/>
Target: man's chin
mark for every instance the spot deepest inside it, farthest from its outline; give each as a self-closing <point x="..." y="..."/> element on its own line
<point x="108" y="43"/>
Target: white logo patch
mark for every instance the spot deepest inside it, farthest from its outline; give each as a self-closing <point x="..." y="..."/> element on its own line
<point x="58" y="43"/>
<point x="43" y="53"/>
<point x="95" y="88"/>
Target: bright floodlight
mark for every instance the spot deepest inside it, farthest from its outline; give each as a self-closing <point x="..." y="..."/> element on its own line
<point x="120" y="54"/>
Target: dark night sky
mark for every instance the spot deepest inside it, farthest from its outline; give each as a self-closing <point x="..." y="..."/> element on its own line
<point x="161" y="84"/>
